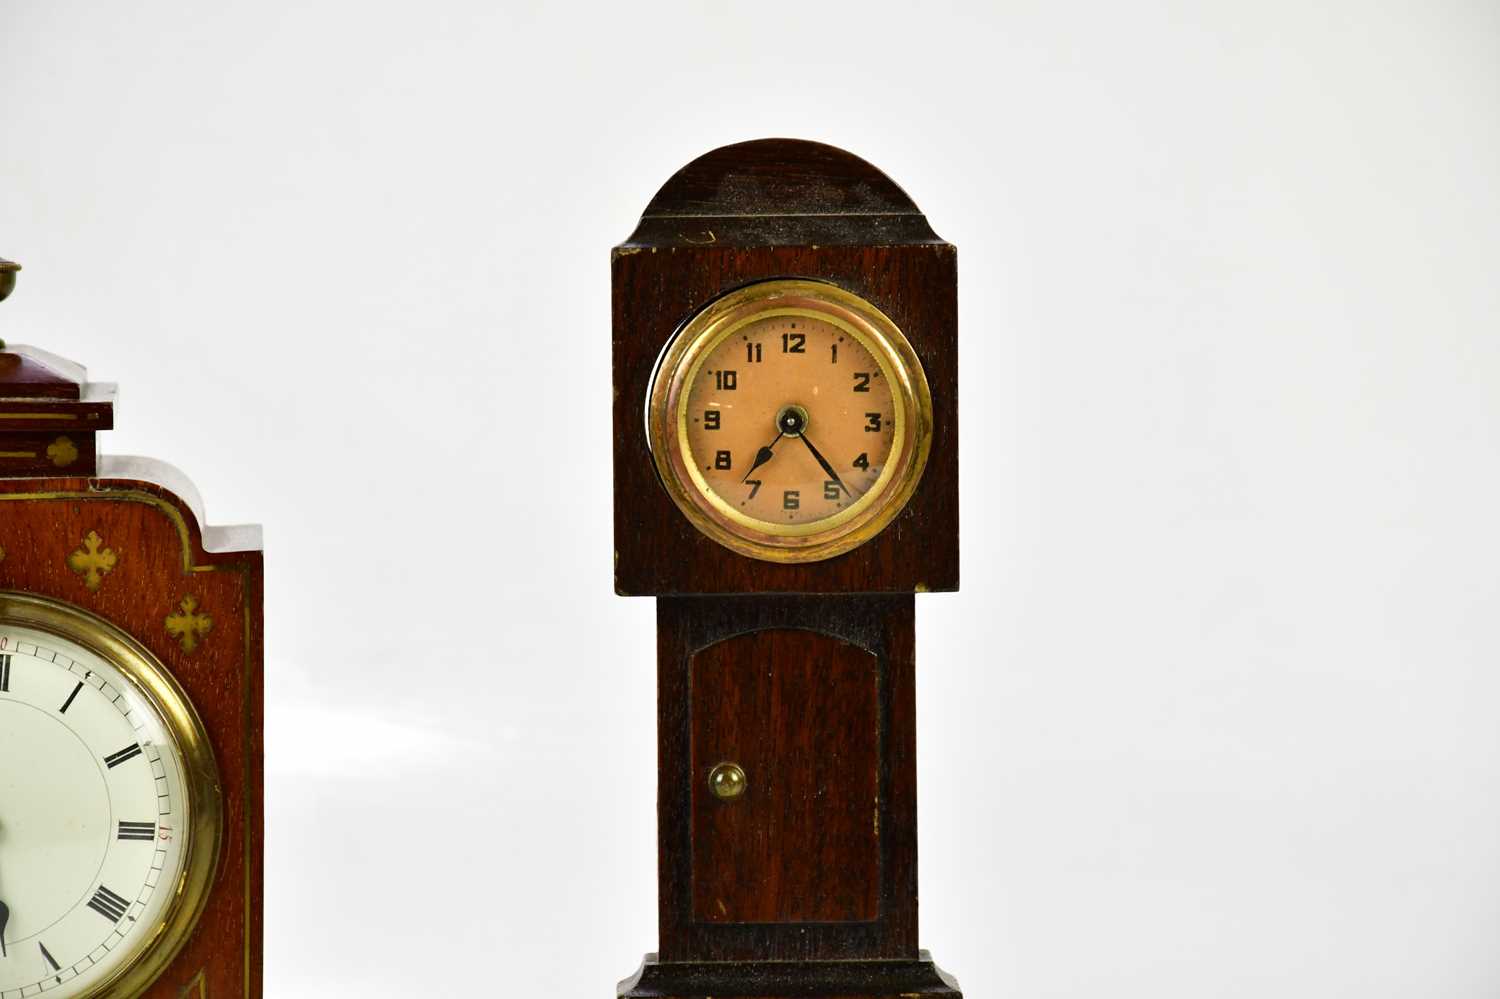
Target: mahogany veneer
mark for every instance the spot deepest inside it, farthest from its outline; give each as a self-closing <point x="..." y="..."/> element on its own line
<point x="145" y="516"/>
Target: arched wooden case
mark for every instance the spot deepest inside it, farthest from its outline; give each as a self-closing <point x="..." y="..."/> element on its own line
<point x="801" y="672"/>
<point x="124" y="539"/>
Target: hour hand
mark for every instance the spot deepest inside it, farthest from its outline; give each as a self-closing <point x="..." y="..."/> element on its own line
<point x="762" y="456"/>
<point x="4" y="920"/>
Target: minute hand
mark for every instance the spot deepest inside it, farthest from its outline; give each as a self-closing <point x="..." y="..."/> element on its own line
<point x="827" y="467"/>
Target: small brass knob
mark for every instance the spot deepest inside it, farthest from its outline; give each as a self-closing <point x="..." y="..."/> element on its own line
<point x="727" y="781"/>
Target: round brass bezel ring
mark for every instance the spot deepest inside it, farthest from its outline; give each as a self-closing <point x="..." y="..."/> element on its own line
<point x="666" y="418"/>
<point x="205" y="806"/>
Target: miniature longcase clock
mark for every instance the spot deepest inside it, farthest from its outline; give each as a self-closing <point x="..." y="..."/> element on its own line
<point x="130" y="711"/>
<point x="786" y="479"/>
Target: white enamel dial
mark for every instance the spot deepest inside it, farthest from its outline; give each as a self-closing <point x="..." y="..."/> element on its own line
<point x="93" y="817"/>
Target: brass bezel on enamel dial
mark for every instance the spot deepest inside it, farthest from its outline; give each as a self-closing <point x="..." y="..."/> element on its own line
<point x="667" y="421"/>
<point x="202" y="788"/>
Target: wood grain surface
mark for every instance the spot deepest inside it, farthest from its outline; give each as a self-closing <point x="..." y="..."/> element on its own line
<point x="799" y="712"/>
<point x="130" y="549"/>
<point x="861" y="633"/>
<point x="160" y="561"/>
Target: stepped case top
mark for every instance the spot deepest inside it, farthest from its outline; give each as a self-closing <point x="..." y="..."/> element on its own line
<point x="116" y="551"/>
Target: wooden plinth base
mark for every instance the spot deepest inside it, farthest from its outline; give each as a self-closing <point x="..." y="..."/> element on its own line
<point x="917" y="979"/>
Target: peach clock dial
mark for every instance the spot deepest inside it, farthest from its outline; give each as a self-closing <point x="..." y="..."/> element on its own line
<point x="790" y="420"/>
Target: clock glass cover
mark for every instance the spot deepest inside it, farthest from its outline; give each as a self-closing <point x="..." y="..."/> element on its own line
<point x="109" y="820"/>
<point x="790" y="420"/>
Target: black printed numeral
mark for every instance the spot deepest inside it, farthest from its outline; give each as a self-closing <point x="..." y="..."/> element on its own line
<point x="830" y="490"/>
<point x="752" y="353"/>
<point x="863" y="461"/>
<point x="754" y="485"/>
<point x="4" y="674"/>
<point x="794" y="343"/>
<point x="711" y="419"/>
<point x="722" y="460"/>
<point x="108" y="904"/>
<point x="726" y="381"/>
<point x="143" y="832"/>
<point x="861" y="381"/>
<point x="128" y="753"/>
<point x="791" y="500"/>
<point x="872" y="423"/>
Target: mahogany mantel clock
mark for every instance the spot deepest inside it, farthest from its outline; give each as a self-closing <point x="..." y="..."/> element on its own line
<point x="130" y="711"/>
<point x="786" y="479"/>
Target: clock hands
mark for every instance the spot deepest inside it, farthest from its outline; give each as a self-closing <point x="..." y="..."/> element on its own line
<point x="792" y="420"/>
<point x="827" y="467"/>
<point x="4" y="919"/>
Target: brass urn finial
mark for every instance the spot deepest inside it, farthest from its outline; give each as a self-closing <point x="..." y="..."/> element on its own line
<point x="7" y="283"/>
<point x="7" y="277"/>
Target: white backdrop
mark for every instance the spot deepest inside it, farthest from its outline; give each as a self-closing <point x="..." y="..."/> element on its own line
<point x="1216" y="711"/>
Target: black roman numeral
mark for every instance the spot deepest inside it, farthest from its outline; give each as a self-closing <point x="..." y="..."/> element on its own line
<point x="4" y="674"/>
<point x="47" y="956"/>
<point x="130" y="752"/>
<point x="108" y="904"/>
<point x="69" y="702"/>
<point x="143" y="831"/>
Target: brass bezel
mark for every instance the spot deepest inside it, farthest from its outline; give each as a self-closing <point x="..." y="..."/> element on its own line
<point x="667" y="421"/>
<point x="205" y="805"/>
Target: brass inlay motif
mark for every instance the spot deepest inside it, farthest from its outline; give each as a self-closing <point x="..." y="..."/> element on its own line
<point x="63" y="452"/>
<point x="17" y="454"/>
<point x="38" y="416"/>
<point x="188" y="626"/>
<point x="112" y="495"/>
<point x="93" y="562"/>
<point x="197" y="988"/>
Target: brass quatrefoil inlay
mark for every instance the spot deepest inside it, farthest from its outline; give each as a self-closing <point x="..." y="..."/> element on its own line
<point x="63" y="452"/>
<point x="188" y="626"/>
<point x="93" y="561"/>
